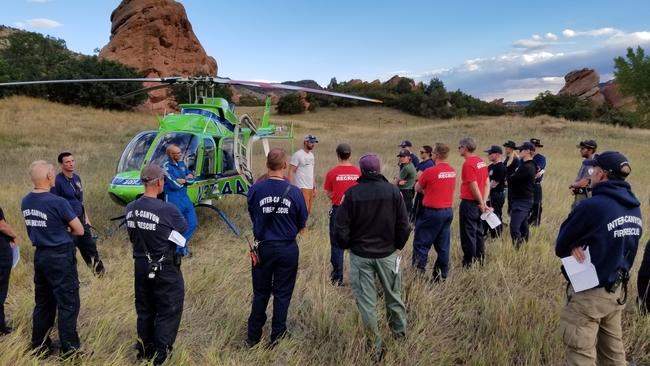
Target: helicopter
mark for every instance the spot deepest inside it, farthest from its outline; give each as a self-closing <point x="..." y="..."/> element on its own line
<point x="216" y="144"/>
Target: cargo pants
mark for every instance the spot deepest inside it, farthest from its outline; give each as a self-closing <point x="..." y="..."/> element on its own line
<point x="590" y="326"/>
<point x="363" y="272"/>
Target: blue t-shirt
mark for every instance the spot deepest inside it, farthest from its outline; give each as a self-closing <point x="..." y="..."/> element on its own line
<point x="72" y="190"/>
<point x="425" y="164"/>
<point x="540" y="160"/>
<point x="289" y="218"/>
<point x="47" y="217"/>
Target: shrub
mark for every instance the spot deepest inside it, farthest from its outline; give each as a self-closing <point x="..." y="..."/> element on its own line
<point x="290" y="104"/>
<point x="562" y="105"/>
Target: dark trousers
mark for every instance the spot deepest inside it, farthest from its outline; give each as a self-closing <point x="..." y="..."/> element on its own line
<point x="536" y="211"/>
<point x="417" y="207"/>
<point x="88" y="248"/>
<point x="497" y="199"/>
<point x="276" y="276"/>
<point x="5" y="272"/>
<point x="519" y="220"/>
<point x="643" y="280"/>
<point x="56" y="286"/>
<point x="336" y="253"/>
<point x="158" y="305"/>
<point x="433" y="227"/>
<point x="471" y="232"/>
<point x="408" y="199"/>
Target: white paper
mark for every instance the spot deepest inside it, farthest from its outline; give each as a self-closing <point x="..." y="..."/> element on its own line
<point x="583" y="275"/>
<point x="15" y="254"/>
<point x="398" y="260"/>
<point x="491" y="218"/>
<point x="177" y="238"/>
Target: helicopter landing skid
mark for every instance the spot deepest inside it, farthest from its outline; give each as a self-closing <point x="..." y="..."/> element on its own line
<point x="111" y="231"/>
<point x="223" y="216"/>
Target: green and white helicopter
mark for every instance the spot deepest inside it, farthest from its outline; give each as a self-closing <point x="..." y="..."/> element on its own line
<point x="217" y="145"/>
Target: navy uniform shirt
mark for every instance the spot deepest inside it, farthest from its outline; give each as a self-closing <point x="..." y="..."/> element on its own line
<point x="149" y="221"/>
<point x="5" y="248"/>
<point x="424" y="165"/>
<point x="282" y="224"/>
<point x="497" y="173"/>
<point x="72" y="190"/>
<point x="521" y="183"/>
<point x="47" y="217"/>
<point x="609" y="223"/>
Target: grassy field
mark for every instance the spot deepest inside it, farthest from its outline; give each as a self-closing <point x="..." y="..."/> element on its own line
<point x="503" y="313"/>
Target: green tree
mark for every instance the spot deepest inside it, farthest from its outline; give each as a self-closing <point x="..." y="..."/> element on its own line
<point x="562" y="105"/>
<point x="290" y="104"/>
<point x="633" y="74"/>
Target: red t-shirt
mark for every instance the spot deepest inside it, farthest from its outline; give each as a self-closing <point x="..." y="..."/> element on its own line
<point x="339" y="179"/>
<point x="474" y="170"/>
<point x="439" y="183"/>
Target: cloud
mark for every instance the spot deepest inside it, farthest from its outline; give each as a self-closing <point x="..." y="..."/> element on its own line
<point x="570" y="33"/>
<point x="39" y="1"/>
<point x="551" y="36"/>
<point x="536" y="42"/>
<point x="39" y="23"/>
<point x="525" y="72"/>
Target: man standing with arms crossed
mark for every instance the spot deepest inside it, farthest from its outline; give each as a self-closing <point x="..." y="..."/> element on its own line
<point x="433" y="226"/>
<point x="337" y="182"/>
<point x="68" y="185"/>
<point x="539" y="159"/>
<point x="608" y="226"/>
<point x="50" y="220"/>
<point x="301" y="170"/>
<point x="406" y="180"/>
<point x="474" y="190"/>
<point x="177" y="179"/>
<point x="372" y="222"/>
<point x="521" y="185"/>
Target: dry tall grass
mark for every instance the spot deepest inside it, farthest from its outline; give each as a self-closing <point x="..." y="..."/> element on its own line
<point x="503" y="313"/>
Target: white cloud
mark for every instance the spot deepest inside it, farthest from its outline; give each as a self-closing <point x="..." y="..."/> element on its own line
<point x="39" y="23"/>
<point x="632" y="39"/>
<point x="39" y="1"/>
<point x="569" y="33"/>
<point x="551" y="36"/>
<point x="599" y="32"/>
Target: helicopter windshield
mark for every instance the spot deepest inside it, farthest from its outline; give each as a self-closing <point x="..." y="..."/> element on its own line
<point x="135" y="151"/>
<point x="187" y="142"/>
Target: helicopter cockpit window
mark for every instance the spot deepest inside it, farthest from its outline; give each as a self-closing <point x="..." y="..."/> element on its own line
<point x="228" y="157"/>
<point x="187" y="142"/>
<point x="135" y="151"/>
<point x="208" y="167"/>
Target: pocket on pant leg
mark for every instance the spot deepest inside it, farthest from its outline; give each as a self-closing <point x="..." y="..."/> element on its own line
<point x="577" y="332"/>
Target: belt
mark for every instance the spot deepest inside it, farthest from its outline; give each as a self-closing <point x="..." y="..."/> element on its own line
<point x="277" y="242"/>
<point x="436" y="209"/>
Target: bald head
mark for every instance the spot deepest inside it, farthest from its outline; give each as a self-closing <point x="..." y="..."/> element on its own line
<point x="42" y="174"/>
<point x="174" y="152"/>
<point x="276" y="159"/>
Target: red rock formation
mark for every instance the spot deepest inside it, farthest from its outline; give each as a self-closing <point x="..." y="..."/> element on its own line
<point x="584" y="84"/>
<point x="615" y="99"/>
<point x="156" y="37"/>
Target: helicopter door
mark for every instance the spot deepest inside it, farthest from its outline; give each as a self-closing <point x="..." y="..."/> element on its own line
<point x="209" y="166"/>
<point x="241" y="155"/>
<point x="227" y="147"/>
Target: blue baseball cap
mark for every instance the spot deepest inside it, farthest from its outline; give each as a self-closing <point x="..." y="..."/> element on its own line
<point x="311" y="138"/>
<point x="613" y="162"/>
<point x="494" y="149"/>
<point x="526" y="146"/>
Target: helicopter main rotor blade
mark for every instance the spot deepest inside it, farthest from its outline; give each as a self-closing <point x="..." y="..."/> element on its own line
<point x="262" y="85"/>
<point x="170" y="80"/>
<point x="145" y="90"/>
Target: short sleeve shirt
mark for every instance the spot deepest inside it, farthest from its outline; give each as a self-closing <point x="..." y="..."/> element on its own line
<point x="47" y="217"/>
<point x="407" y="173"/>
<point x="339" y="179"/>
<point x="149" y="221"/>
<point x="439" y="183"/>
<point x="72" y="190"/>
<point x="304" y="163"/>
<point x="425" y="164"/>
<point x="584" y="172"/>
<point x="474" y="170"/>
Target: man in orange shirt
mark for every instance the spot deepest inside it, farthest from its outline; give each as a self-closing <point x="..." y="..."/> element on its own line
<point x="337" y="181"/>
<point x="433" y="225"/>
<point x="474" y="191"/>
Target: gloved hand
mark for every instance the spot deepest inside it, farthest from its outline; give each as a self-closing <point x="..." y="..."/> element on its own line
<point x="182" y="251"/>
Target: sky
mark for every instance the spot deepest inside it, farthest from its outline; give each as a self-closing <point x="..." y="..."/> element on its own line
<point x="490" y="49"/>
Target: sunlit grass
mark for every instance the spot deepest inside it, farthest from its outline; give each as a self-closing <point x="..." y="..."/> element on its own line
<point x="505" y="312"/>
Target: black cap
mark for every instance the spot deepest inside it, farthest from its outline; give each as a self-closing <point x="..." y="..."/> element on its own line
<point x="511" y="144"/>
<point x="589" y="144"/>
<point x="536" y="142"/>
<point x="405" y="143"/>
<point x="494" y="149"/>
<point x="310" y="138"/>
<point x="403" y="153"/>
<point x="613" y="162"/>
<point x="526" y="146"/>
<point x="343" y="149"/>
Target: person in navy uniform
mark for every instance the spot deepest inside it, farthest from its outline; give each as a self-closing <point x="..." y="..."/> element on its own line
<point x="158" y="281"/>
<point x="68" y="185"/>
<point x="407" y="145"/>
<point x="177" y="179"/>
<point x="7" y="242"/>
<point x="50" y="220"/>
<point x="535" y="217"/>
<point x="497" y="173"/>
<point x="521" y="188"/>
<point x="608" y="225"/>
<point x="278" y="212"/>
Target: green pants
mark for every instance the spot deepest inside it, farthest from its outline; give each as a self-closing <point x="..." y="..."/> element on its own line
<point x="363" y="272"/>
<point x="590" y="325"/>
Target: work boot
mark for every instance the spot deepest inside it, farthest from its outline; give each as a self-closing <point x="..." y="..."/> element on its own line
<point x="144" y="351"/>
<point x="4" y="330"/>
<point x="98" y="268"/>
